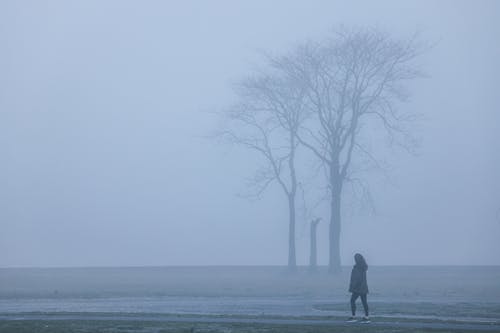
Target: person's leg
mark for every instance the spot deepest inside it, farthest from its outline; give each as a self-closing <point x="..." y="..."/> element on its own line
<point x="354" y="297"/>
<point x="365" y="304"/>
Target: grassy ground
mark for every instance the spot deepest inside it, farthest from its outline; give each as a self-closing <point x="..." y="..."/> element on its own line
<point x="75" y="326"/>
<point x="397" y="294"/>
<point x="463" y="311"/>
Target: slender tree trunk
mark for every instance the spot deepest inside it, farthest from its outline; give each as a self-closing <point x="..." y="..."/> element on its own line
<point x="334" y="264"/>
<point x="292" y="263"/>
<point x="313" y="254"/>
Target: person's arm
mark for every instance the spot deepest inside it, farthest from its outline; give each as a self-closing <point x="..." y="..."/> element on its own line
<point x="352" y="282"/>
<point x="356" y="280"/>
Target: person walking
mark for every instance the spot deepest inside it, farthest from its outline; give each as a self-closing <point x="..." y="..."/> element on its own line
<point x="359" y="287"/>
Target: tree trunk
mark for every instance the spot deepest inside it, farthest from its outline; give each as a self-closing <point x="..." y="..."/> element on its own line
<point x="292" y="264"/>
<point x="334" y="264"/>
<point x="313" y="254"/>
<point x="292" y="261"/>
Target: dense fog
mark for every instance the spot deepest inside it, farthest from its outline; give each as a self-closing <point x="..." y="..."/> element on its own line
<point x="107" y="110"/>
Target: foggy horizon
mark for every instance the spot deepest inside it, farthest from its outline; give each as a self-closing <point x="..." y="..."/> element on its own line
<point x="106" y="109"/>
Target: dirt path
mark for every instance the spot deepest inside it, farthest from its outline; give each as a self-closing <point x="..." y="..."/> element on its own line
<point x="269" y="321"/>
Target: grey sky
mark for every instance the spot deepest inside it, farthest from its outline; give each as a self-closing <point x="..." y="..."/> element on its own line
<point x="103" y="112"/>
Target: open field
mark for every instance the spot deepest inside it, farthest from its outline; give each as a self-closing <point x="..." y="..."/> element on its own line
<point x="412" y="283"/>
<point x="245" y="299"/>
<point x="161" y="323"/>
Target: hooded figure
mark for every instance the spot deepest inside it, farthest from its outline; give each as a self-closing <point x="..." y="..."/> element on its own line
<point x="358" y="283"/>
<point x="359" y="287"/>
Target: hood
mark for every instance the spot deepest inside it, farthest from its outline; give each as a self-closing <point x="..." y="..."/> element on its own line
<point x="360" y="261"/>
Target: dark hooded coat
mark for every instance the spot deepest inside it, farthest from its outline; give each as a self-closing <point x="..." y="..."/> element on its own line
<point x="358" y="283"/>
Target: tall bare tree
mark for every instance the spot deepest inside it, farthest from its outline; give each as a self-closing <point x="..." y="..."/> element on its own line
<point x="266" y="119"/>
<point x="352" y="80"/>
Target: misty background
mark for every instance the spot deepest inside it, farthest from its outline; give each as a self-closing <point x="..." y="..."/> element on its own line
<point x="105" y="109"/>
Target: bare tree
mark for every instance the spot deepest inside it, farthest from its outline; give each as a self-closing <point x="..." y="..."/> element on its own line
<point x="266" y="119"/>
<point x="352" y="80"/>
